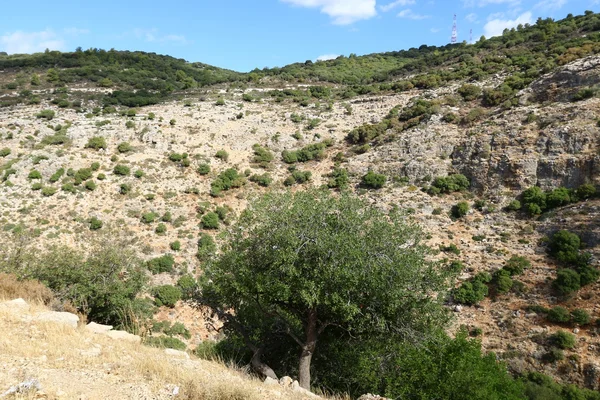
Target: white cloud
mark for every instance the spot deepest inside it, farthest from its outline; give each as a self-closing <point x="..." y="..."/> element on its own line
<point x="343" y="12"/>
<point x="551" y="5"/>
<point x="471" y="17"/>
<point x="397" y="3"/>
<point x="20" y="42"/>
<point x="75" y="31"/>
<point x="408" y="13"/>
<point x="153" y="35"/>
<point x="434" y="30"/>
<point x="326" y="57"/>
<point x="483" y="3"/>
<point x="496" y="26"/>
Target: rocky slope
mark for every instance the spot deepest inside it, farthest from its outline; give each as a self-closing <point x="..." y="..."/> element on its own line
<point x="545" y="140"/>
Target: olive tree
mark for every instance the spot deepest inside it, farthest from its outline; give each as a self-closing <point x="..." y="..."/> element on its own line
<point x="297" y="264"/>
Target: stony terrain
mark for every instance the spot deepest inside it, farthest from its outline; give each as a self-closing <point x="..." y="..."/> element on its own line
<point x="502" y="153"/>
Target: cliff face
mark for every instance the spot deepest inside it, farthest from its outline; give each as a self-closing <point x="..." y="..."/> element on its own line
<point x="538" y="142"/>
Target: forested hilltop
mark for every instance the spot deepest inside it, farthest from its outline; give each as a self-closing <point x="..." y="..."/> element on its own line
<point x="420" y="224"/>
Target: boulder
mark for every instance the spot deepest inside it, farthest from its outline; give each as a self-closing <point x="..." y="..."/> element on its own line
<point x="122" y="335"/>
<point x="177" y="353"/>
<point x="16" y="305"/>
<point x="98" y="328"/>
<point x="65" y="318"/>
<point x="270" y="381"/>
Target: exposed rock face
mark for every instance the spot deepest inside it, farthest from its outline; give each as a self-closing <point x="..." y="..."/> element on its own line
<point x="591" y="374"/>
<point x="59" y="317"/>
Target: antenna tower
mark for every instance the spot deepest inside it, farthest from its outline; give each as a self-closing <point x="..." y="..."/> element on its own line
<point x="454" y="31"/>
<point x="471" y="36"/>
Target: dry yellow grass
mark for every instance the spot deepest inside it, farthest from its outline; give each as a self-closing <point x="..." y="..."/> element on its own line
<point x="29" y="290"/>
<point x="59" y="358"/>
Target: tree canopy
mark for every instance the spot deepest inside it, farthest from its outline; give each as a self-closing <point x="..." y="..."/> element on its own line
<point x="298" y="264"/>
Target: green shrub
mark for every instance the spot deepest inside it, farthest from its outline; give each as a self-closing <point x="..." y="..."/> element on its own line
<point x="473" y="291"/>
<point x="563" y="340"/>
<point x="206" y="247"/>
<point x="338" y="178"/>
<point x="166" y="295"/>
<point x="82" y="174"/>
<point x="584" y="94"/>
<point x="161" y="264"/>
<point x="567" y="281"/>
<point x="203" y="169"/>
<point x="516" y="265"/>
<point x="175" y="246"/>
<point x="564" y="246"/>
<point x="210" y="221"/>
<point x="264" y="180"/>
<point x="124" y="188"/>
<point x="503" y="281"/>
<point x="460" y="209"/>
<point x="96" y="142"/>
<point x="49" y="191"/>
<point x="558" y="197"/>
<point x="469" y="92"/>
<point x="160" y="229"/>
<point x="553" y="355"/>
<point x="315" y="151"/>
<point x="148" y="217"/>
<point x="95" y="166"/>
<point x="580" y="317"/>
<point x="188" y="286"/>
<point x="167" y="217"/>
<point x="222" y="154"/>
<point x="220" y="102"/>
<point x="101" y="177"/>
<point x="514" y="205"/>
<point x="449" y="184"/>
<point x="124" y="147"/>
<point x="122" y="170"/>
<point x="57" y="175"/>
<point x="559" y="315"/>
<point x="226" y="180"/>
<point x="4" y="152"/>
<point x="373" y="181"/>
<point x="139" y="174"/>
<point x="534" y="200"/>
<point x="586" y="191"/>
<point x="165" y="342"/>
<point x="46" y="114"/>
<point x="262" y="156"/>
<point x="69" y="188"/>
<point x="90" y="185"/>
<point x="34" y="174"/>
<point x="95" y="224"/>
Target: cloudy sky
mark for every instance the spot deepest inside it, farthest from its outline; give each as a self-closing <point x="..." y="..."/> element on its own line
<point x="247" y="34"/>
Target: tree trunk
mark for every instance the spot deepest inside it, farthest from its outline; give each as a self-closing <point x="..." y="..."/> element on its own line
<point x="261" y="367"/>
<point x="308" y="350"/>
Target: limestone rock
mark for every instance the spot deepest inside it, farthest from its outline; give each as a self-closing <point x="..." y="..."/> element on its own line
<point x="98" y="328"/>
<point x="122" y="335"/>
<point x="59" y="317"/>
<point x="270" y="381"/>
<point x="16" y="305"/>
<point x="177" y="353"/>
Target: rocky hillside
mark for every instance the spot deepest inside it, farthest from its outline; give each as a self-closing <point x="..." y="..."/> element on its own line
<point x="76" y="170"/>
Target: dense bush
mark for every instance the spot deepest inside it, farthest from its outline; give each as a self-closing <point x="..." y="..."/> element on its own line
<point x="503" y="281"/>
<point x="580" y="317"/>
<point x="4" y="152"/>
<point x="469" y="92"/>
<point x="262" y="156"/>
<point x="165" y="342"/>
<point x="338" y="178"/>
<point x="166" y="295"/>
<point x="96" y="142"/>
<point x="161" y="264"/>
<point x="210" y="220"/>
<point x="122" y="170"/>
<point x="95" y="224"/>
<point x="222" y="154"/>
<point x="563" y="340"/>
<point x="449" y="184"/>
<point x="559" y="315"/>
<point x="315" y="151"/>
<point x="34" y="174"/>
<point x="298" y="176"/>
<point x="460" y="209"/>
<point x="373" y="180"/>
<point x="264" y="180"/>
<point x="203" y="169"/>
<point x="226" y="180"/>
<point x="46" y="114"/>
<point x="206" y="247"/>
<point x="567" y="281"/>
<point x="472" y="291"/>
<point x="188" y="286"/>
<point x="517" y="264"/>
<point x="124" y="147"/>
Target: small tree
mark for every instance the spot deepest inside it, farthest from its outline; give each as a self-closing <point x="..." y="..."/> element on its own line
<point x="460" y="209"/>
<point x="373" y="181"/>
<point x="298" y="264"/>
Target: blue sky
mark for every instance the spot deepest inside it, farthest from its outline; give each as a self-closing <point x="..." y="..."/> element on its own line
<point x="247" y="34"/>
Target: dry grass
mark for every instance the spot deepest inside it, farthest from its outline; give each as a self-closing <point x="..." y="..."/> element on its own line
<point x="55" y="355"/>
<point x="29" y="290"/>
